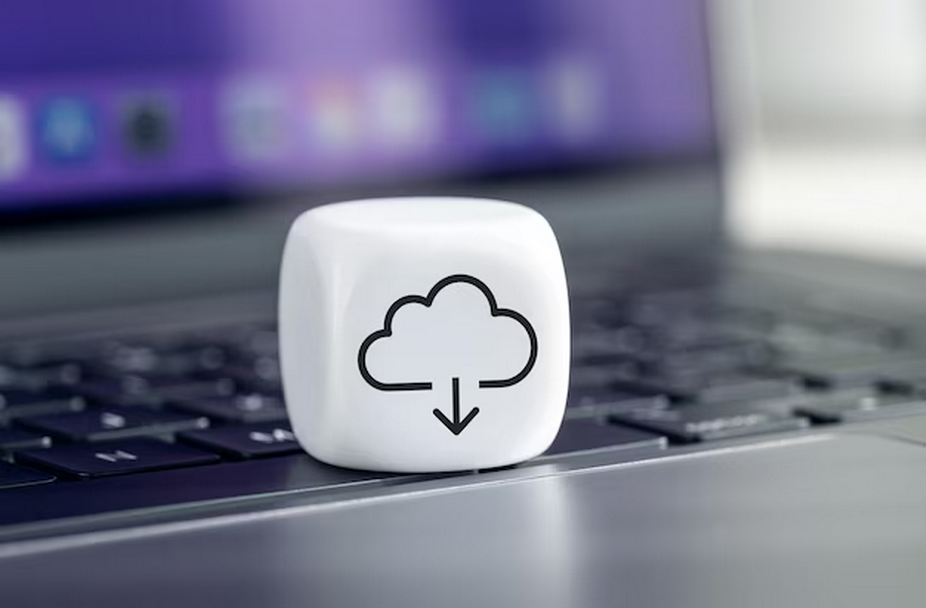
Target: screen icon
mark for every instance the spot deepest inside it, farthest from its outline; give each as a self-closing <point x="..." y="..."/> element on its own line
<point x="67" y="130"/>
<point x="13" y="144"/>
<point x="503" y="107"/>
<point x="403" y="110"/>
<point x="334" y="117"/>
<point x="255" y="121"/>
<point x="576" y="94"/>
<point x="148" y="126"/>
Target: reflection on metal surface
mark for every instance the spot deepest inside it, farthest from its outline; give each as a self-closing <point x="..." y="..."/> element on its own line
<point x="791" y="521"/>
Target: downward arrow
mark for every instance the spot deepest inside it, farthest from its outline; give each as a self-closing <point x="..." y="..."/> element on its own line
<point x="456" y="425"/>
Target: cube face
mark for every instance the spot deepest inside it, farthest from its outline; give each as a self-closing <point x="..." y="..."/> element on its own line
<point x="424" y="334"/>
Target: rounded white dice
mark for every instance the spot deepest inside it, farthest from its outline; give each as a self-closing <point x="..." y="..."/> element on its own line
<point x="424" y="334"/>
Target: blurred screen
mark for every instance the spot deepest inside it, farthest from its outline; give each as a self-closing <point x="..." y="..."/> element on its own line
<point x="126" y="97"/>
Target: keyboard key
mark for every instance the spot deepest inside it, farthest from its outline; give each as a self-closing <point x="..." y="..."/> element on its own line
<point x="240" y="408"/>
<point x="666" y="355"/>
<point x="55" y="374"/>
<point x="603" y="376"/>
<point x="718" y="387"/>
<point x="861" y="408"/>
<point x="18" y="402"/>
<point x="583" y="436"/>
<point x="116" y="457"/>
<point x="8" y="376"/>
<point x="789" y="404"/>
<point x="147" y="359"/>
<point x="693" y="423"/>
<point x="12" y="476"/>
<point x="592" y="402"/>
<point x="256" y="385"/>
<point x="98" y="424"/>
<point x="16" y="439"/>
<point x="262" y="342"/>
<point x="745" y="386"/>
<point x="256" y="340"/>
<point x="604" y="345"/>
<point x="260" y="375"/>
<point x="245" y="441"/>
<point x="659" y="307"/>
<point x="853" y="371"/>
<point x="797" y="342"/>
<point x="704" y="333"/>
<point x="910" y="381"/>
<point x="839" y="327"/>
<point x="258" y="372"/>
<point x="713" y="358"/>
<point x="153" y="390"/>
<point x="36" y="357"/>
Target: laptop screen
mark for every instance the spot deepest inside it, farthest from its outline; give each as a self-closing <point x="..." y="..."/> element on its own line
<point x="108" y="99"/>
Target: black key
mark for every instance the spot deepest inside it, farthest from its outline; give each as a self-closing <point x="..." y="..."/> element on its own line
<point x="129" y="359"/>
<point x="799" y="342"/>
<point x="256" y="385"/>
<point x="16" y="439"/>
<point x="788" y="405"/>
<point x="153" y="390"/>
<point x="253" y="341"/>
<point x="909" y="381"/>
<point x="853" y="371"/>
<point x="587" y="377"/>
<point x="592" y="402"/>
<point x="860" y="408"/>
<point x="240" y="408"/>
<point x="67" y="374"/>
<point x="8" y="376"/>
<point x="251" y="375"/>
<point x="12" y="476"/>
<point x="718" y="387"/>
<point x="712" y="358"/>
<point x="657" y="308"/>
<point x="145" y="359"/>
<point x="692" y="423"/>
<point x="107" y="391"/>
<point x="602" y="345"/>
<point x="18" y="402"/>
<point x="745" y="386"/>
<point x="841" y="327"/>
<point x="260" y="371"/>
<point x="54" y="374"/>
<point x="245" y="441"/>
<point x="703" y="333"/>
<point x="98" y="424"/>
<point x="584" y="436"/>
<point x="116" y="457"/>
<point x="262" y="342"/>
<point x="29" y="358"/>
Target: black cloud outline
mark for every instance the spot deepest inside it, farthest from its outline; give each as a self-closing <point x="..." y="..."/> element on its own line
<point x="427" y="301"/>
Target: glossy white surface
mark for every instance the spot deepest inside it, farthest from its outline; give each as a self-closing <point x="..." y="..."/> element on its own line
<point x="424" y="334"/>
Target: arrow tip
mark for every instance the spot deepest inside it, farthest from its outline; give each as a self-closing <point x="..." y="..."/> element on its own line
<point x="456" y="426"/>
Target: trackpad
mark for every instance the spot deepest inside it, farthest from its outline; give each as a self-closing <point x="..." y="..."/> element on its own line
<point x="828" y="520"/>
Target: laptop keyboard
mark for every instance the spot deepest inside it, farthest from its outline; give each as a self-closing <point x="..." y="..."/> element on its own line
<point x="655" y="370"/>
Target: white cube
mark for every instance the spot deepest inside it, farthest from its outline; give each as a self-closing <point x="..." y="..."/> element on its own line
<point x="424" y="334"/>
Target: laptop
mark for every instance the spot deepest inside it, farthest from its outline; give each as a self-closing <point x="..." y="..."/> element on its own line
<point x="743" y="428"/>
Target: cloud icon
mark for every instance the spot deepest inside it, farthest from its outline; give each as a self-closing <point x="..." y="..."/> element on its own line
<point x="451" y="339"/>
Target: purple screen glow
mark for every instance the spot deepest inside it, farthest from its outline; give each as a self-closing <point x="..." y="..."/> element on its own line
<point x="108" y="97"/>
